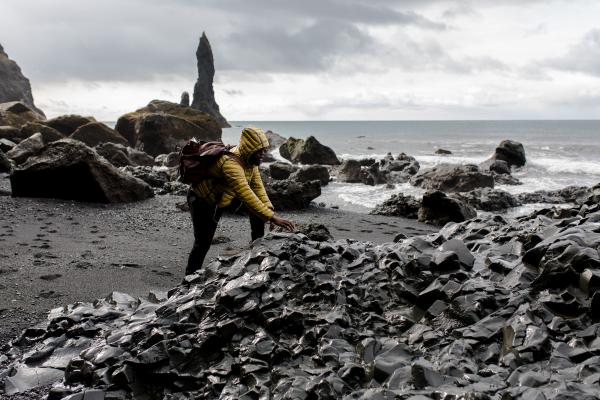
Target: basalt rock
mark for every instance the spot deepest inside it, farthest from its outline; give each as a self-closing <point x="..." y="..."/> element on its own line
<point x="311" y="173"/>
<point x="291" y="195"/>
<point x="350" y="171"/>
<point x="398" y="205"/>
<point x="487" y="199"/>
<point x="5" y="164"/>
<point x="459" y="314"/>
<point x="162" y="126"/>
<point x="275" y="140"/>
<point x="17" y="114"/>
<point x="309" y="151"/>
<point x="14" y="86"/>
<point x="170" y="160"/>
<point x="570" y="194"/>
<point x="48" y="134"/>
<point x="11" y="133"/>
<point x="185" y="99"/>
<point x="6" y="145"/>
<point x="443" y="152"/>
<point x="68" y="124"/>
<point x="453" y="178"/>
<point x="513" y="153"/>
<point x="116" y="154"/>
<point x="95" y="133"/>
<point x="390" y="170"/>
<point x="204" y="95"/>
<point x="68" y="169"/>
<point x="280" y="170"/>
<point x="26" y="148"/>
<point x="438" y="209"/>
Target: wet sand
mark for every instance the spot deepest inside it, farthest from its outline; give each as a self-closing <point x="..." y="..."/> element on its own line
<point x="57" y="252"/>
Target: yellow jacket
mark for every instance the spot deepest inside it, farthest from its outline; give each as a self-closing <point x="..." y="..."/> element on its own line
<point x="233" y="180"/>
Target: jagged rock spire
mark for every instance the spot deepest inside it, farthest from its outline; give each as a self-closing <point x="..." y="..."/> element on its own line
<point x="13" y="85"/>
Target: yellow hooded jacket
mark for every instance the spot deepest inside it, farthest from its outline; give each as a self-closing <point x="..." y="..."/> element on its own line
<point x="233" y="180"/>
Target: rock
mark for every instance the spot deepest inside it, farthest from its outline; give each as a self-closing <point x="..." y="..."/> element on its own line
<point x="510" y="151"/>
<point x="170" y="160"/>
<point x="499" y="167"/>
<point x="6" y="145"/>
<point x="114" y="153"/>
<point x="68" y="169"/>
<point x="275" y="140"/>
<point x="67" y="124"/>
<point x="11" y="133"/>
<point x="204" y="95"/>
<point x="95" y="133"/>
<point x="570" y="194"/>
<point x="153" y="177"/>
<point x="17" y="114"/>
<point x="5" y="164"/>
<point x="185" y="99"/>
<point x="317" y="232"/>
<point x="487" y="199"/>
<point x="439" y="209"/>
<point x="390" y="170"/>
<point x="49" y="134"/>
<point x="453" y="178"/>
<point x="138" y="157"/>
<point x="350" y="171"/>
<point x="162" y="125"/>
<point x="443" y="151"/>
<point x="311" y="173"/>
<point x="14" y="86"/>
<point x="290" y="195"/>
<point x="308" y="151"/>
<point x="280" y="170"/>
<point x="26" y="148"/>
<point x="398" y="205"/>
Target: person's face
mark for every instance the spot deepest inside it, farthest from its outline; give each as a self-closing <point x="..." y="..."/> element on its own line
<point x="257" y="157"/>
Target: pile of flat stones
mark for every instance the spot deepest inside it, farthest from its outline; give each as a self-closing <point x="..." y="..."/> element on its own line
<point x="485" y="309"/>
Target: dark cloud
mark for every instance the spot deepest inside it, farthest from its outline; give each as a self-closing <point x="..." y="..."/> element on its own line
<point x="582" y="57"/>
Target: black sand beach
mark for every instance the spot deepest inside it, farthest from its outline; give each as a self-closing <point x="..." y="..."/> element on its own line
<point x="57" y="252"/>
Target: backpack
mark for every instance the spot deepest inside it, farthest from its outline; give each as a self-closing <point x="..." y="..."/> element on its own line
<point x="196" y="158"/>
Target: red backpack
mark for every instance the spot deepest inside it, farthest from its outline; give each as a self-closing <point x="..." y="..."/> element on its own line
<point x="196" y="158"/>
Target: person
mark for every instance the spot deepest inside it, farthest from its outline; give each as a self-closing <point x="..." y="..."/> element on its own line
<point x="237" y="184"/>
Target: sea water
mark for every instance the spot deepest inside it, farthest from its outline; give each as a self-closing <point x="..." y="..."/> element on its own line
<point x="559" y="153"/>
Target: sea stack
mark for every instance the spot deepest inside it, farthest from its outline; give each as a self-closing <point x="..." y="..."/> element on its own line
<point x="204" y="95"/>
<point x="13" y="85"/>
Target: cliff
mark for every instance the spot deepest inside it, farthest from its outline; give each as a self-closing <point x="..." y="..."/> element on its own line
<point x="13" y="85"/>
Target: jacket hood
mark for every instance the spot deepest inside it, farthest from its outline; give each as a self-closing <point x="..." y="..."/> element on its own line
<point x="252" y="139"/>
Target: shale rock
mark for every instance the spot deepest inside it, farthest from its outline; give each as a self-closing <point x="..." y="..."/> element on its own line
<point x="14" y="86"/>
<point x="311" y="173"/>
<point x="17" y="114"/>
<point x="95" y="133"/>
<point x="68" y="124"/>
<point x="26" y="148"/>
<point x="487" y="199"/>
<point x="309" y="151"/>
<point x="280" y="170"/>
<point x="439" y="209"/>
<point x="398" y="205"/>
<point x="291" y="195"/>
<point x="204" y="95"/>
<point x="161" y="126"/>
<point x="453" y="178"/>
<point x="68" y="169"/>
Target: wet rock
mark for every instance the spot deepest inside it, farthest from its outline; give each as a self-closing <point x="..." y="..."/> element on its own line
<point x="11" y="133"/>
<point x="439" y="209"/>
<point x="350" y="171"/>
<point x="16" y="114"/>
<point x="453" y="178"/>
<point x="441" y="151"/>
<point x="311" y="173"/>
<point x="570" y="194"/>
<point x="309" y="151"/>
<point x="170" y="160"/>
<point x="95" y="133"/>
<point x="69" y="169"/>
<point x="487" y="199"/>
<point x="26" y="148"/>
<point x="290" y="195"/>
<point x="280" y="170"/>
<point x="510" y="151"/>
<point x="398" y="205"/>
<point x="114" y="153"/>
<point x="390" y="170"/>
<point x="275" y="139"/>
<point x="68" y="124"/>
<point x="5" y="164"/>
<point x="49" y="134"/>
<point x="317" y="232"/>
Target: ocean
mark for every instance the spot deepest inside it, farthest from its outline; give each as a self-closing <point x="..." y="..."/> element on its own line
<point x="559" y="153"/>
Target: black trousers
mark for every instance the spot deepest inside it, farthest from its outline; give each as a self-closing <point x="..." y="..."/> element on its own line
<point x="205" y="218"/>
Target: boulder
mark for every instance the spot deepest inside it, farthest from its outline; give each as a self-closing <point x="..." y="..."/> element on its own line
<point x="95" y="133"/>
<point x="115" y="153"/>
<point x="291" y="195"/>
<point x="204" y="94"/>
<point x="308" y="151"/>
<point x="488" y="199"/>
<point x="390" y="170"/>
<point x="280" y="170"/>
<point x="153" y="177"/>
<point x="138" y="157"/>
<point x="14" y="86"/>
<point x="170" y="160"/>
<point x="350" y="171"/>
<point x="169" y="122"/>
<point x="17" y="114"/>
<point x="570" y="194"/>
<point x="68" y="169"/>
<point x="499" y="167"/>
<point x="6" y="145"/>
<point x="5" y="164"/>
<point x="398" y="205"/>
<point x="439" y="209"/>
<point x="67" y="124"/>
<point x="11" y="133"/>
<point x="510" y="151"/>
<point x="275" y="139"/>
<point x="48" y="134"/>
<point x="452" y="178"/>
<point x="312" y="173"/>
<point x="443" y="152"/>
<point x="26" y="148"/>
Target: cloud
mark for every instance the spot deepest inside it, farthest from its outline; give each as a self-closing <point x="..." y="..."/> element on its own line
<point x="581" y="57"/>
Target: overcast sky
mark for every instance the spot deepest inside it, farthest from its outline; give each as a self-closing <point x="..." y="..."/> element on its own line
<point x="314" y="59"/>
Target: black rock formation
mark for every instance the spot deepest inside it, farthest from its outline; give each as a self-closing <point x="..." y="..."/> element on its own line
<point x="204" y="95"/>
<point x="14" y="86"/>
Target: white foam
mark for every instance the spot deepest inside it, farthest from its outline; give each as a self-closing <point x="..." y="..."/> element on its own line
<point x="563" y="165"/>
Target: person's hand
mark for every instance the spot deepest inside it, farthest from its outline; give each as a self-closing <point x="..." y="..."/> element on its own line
<point x="282" y="223"/>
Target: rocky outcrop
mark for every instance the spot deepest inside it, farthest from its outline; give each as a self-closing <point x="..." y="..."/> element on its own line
<point x="513" y="153"/>
<point x="398" y="205"/>
<point x="275" y="140"/>
<point x="14" y="86"/>
<point x="185" y="99"/>
<point x="95" y="133"/>
<point x="292" y="195"/>
<point x="204" y="94"/>
<point x="120" y="155"/>
<point x="68" y="169"/>
<point x="350" y="171"/>
<point x="443" y="152"/>
<point x="68" y="124"/>
<point x="309" y="151"/>
<point x="311" y="173"/>
<point x="26" y="148"/>
<point x="49" y="134"/>
<point x="438" y="209"/>
<point x="453" y="178"/>
<point x="17" y="114"/>
<point x="161" y="126"/>
<point x="488" y="199"/>
<point x="570" y="194"/>
<point x="281" y="170"/>
<point x="390" y="170"/>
